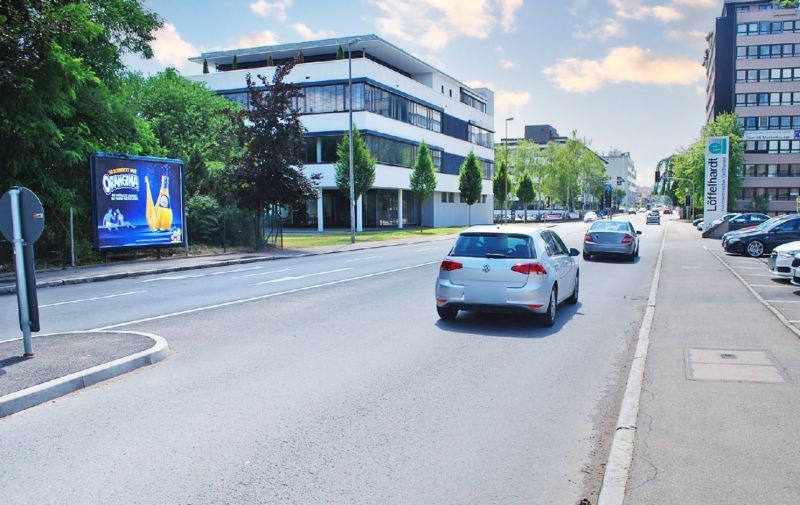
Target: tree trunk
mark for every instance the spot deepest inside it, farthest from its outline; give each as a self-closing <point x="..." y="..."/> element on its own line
<point x="470" y="215"/>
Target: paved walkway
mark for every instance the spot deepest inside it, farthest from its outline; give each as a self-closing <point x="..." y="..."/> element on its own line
<point x="718" y="419"/>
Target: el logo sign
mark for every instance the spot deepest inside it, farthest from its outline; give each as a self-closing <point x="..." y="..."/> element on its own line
<point x="718" y="147"/>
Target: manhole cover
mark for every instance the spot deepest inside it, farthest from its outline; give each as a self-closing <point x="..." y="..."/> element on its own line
<point x="728" y="365"/>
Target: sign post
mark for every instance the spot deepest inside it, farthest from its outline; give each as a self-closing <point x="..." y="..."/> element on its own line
<point x="22" y="223"/>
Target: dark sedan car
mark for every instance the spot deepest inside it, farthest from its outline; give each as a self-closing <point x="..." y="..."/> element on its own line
<point x="746" y="220"/>
<point x="611" y="237"/>
<point x="765" y="237"/>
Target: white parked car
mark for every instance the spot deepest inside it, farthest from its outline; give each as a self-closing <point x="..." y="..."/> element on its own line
<point x="780" y="261"/>
<point x="507" y="269"/>
<point x="589" y="217"/>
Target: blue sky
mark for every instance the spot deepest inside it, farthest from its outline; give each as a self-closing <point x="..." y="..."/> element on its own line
<point x="623" y="74"/>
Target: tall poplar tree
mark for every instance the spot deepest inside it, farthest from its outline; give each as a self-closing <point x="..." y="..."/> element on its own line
<point x="423" y="178"/>
<point x="470" y="182"/>
<point x="363" y="167"/>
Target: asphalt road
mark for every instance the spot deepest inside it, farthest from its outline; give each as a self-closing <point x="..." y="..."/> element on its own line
<point x="330" y="379"/>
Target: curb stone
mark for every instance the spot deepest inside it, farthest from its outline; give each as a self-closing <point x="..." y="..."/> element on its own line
<point x="50" y="390"/>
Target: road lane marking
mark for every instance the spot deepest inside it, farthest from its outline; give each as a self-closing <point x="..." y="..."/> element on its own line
<point x="771" y="285"/>
<point x="296" y="277"/>
<point x="424" y="249"/>
<point x="267" y="296"/>
<point x="783" y="301"/>
<point x="262" y="273"/>
<point x="759" y="275"/>
<point x="81" y="300"/>
<point x="362" y="259"/>
<point x="195" y="276"/>
<point x="750" y="268"/>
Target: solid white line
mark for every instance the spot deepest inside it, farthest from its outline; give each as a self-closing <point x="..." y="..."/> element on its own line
<point x="759" y="275"/>
<point x="264" y="297"/>
<point x="296" y="277"/>
<point x="620" y="457"/>
<point x="783" y="301"/>
<point x="750" y="268"/>
<point x="362" y="259"/>
<point x="92" y="299"/>
<point x="771" y="286"/>
<point x="262" y="273"/>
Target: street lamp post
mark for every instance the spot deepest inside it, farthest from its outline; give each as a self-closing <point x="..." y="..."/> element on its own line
<point x="350" y="137"/>
<point x="505" y="200"/>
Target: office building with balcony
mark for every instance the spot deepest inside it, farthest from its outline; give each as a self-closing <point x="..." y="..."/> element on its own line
<point x="753" y="69"/>
<point x="621" y="172"/>
<point x="399" y="101"/>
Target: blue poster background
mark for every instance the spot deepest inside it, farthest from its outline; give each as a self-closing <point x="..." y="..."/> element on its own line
<point x="122" y="216"/>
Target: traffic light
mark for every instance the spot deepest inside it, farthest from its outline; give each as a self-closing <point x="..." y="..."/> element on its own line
<point x="658" y="176"/>
<point x="607" y="199"/>
<point x="688" y="201"/>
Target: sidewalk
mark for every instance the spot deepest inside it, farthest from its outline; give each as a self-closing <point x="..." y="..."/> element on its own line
<point x="118" y="270"/>
<point x="718" y="419"/>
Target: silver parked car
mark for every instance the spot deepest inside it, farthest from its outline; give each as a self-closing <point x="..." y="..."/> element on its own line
<point x="611" y="237"/>
<point x="505" y="269"/>
<point x="780" y="261"/>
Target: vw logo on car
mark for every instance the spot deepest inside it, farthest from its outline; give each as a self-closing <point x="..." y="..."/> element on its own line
<point x="486" y="268"/>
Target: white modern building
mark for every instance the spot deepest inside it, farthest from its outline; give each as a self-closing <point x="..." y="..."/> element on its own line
<point x="622" y="174"/>
<point x="398" y="102"/>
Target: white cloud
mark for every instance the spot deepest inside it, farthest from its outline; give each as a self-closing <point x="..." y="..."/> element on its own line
<point x="434" y="23"/>
<point x="633" y="9"/>
<point x="308" y="34"/>
<point x="599" y="30"/>
<point x="277" y="8"/>
<point x="170" y="49"/>
<point x="624" y="64"/>
<point x="508" y="65"/>
<point x="265" y="38"/>
<point x="696" y="38"/>
<point x="699" y="4"/>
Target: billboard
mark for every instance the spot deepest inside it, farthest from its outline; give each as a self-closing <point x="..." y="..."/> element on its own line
<point x="715" y="189"/>
<point x="137" y="202"/>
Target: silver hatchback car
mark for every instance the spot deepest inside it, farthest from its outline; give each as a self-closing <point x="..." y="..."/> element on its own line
<point x="505" y="269"/>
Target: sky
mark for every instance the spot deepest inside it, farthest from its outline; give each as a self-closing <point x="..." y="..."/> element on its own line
<point x="621" y="74"/>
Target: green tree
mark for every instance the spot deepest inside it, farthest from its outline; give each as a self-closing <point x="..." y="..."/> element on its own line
<point x="60" y="98"/>
<point x="205" y="66"/>
<point x="423" y="178"/>
<point x="235" y="63"/>
<point x="191" y="123"/>
<point x="761" y="204"/>
<point x="363" y="167"/>
<point x="568" y="169"/>
<point x="526" y="192"/>
<point x="500" y="185"/>
<point x="470" y="182"/>
<point x="340" y="53"/>
<point x="270" y="63"/>
<point x="268" y="174"/>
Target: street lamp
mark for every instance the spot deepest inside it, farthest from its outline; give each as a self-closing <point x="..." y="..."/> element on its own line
<point x="505" y="200"/>
<point x="350" y="136"/>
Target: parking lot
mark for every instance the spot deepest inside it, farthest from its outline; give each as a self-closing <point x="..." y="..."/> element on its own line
<point x="779" y="293"/>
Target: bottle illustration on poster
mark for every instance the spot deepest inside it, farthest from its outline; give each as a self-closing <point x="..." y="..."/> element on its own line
<point x="159" y="214"/>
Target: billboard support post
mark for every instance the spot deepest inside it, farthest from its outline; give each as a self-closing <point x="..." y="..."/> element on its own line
<point x="72" y="234"/>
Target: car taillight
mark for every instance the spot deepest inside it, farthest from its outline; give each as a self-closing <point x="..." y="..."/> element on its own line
<point x="587" y="238"/>
<point x="529" y="268"/>
<point x="450" y="265"/>
<point x="627" y="239"/>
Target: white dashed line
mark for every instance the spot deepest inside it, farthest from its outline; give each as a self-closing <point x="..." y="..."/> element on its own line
<point x="263" y="273"/>
<point x="92" y="299"/>
<point x="296" y="277"/>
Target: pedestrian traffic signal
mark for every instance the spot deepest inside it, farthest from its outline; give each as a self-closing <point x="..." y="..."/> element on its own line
<point x="607" y="200"/>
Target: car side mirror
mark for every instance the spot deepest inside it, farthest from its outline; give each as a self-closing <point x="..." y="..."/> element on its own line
<point x="638" y="232"/>
<point x="574" y="252"/>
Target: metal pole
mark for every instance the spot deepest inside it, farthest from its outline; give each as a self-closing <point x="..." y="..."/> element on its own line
<point x="72" y="233"/>
<point x="19" y="266"/>
<point x="350" y="137"/>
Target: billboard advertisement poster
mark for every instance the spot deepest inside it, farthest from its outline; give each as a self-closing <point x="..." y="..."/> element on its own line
<point x="137" y="202"/>
<point x="715" y="189"/>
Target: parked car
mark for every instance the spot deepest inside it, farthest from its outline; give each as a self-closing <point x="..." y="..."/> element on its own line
<point x="796" y="270"/>
<point x="763" y="239"/>
<point x="589" y="217"/>
<point x="746" y="220"/>
<point x="653" y="217"/>
<point x="721" y="219"/>
<point x="500" y="269"/>
<point x="697" y="222"/>
<point x="667" y="212"/>
<point x="632" y="210"/>
<point x="780" y="261"/>
<point x="727" y="236"/>
<point x="611" y="237"/>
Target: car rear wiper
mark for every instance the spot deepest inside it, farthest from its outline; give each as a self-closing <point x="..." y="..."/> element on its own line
<point x="495" y="255"/>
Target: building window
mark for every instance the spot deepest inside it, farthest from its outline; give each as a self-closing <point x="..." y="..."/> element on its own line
<point x="480" y="136"/>
<point x="395" y="152"/>
<point x="402" y="109"/>
<point x="451" y="197"/>
<point x="444" y="197"/>
<point x="473" y="101"/>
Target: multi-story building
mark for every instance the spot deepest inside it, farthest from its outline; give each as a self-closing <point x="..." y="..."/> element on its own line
<point x="622" y="174"/>
<point x="753" y="69"/>
<point x="398" y="102"/>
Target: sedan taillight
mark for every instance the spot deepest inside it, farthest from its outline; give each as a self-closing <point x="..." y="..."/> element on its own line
<point x="529" y="268"/>
<point x="627" y="239"/>
<point x="449" y="265"/>
<point x="587" y="238"/>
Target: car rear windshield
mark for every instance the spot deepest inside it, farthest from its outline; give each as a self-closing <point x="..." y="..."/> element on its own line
<point x="609" y="226"/>
<point x="494" y="245"/>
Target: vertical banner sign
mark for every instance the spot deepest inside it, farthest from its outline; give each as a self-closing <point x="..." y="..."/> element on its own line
<point x="715" y="190"/>
<point x="137" y="202"/>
